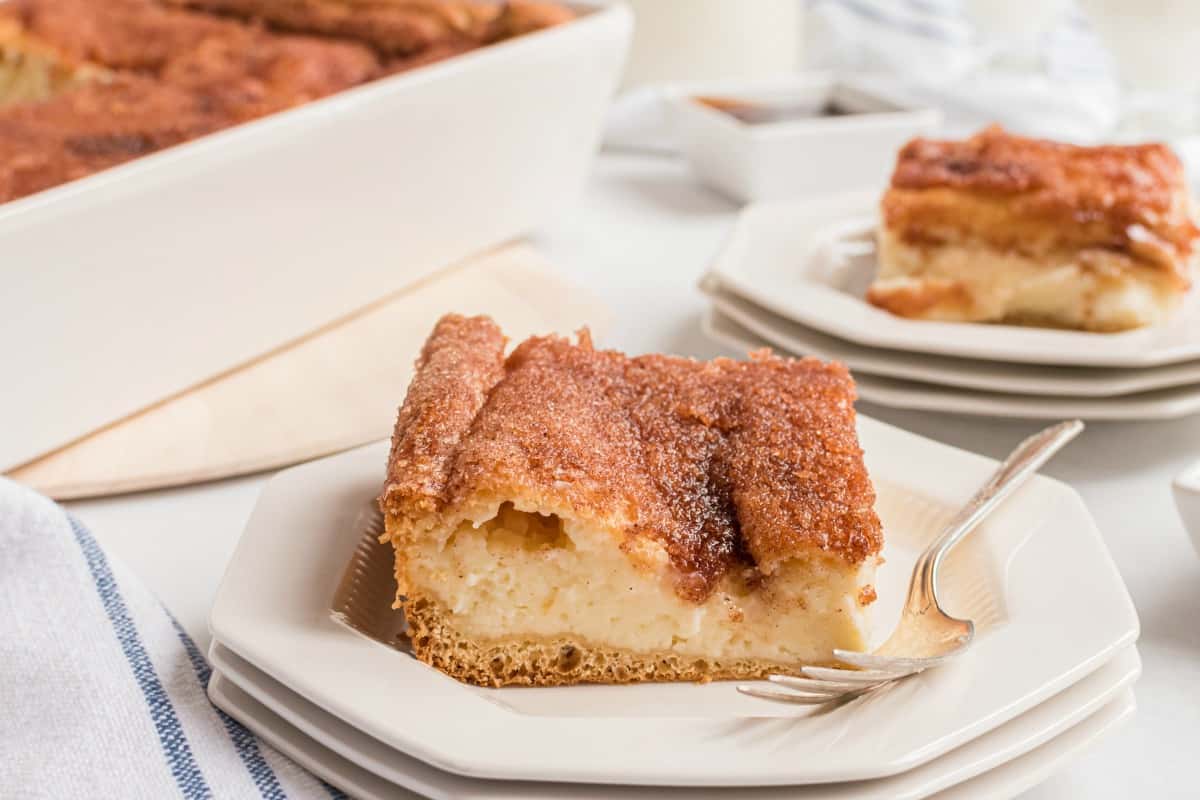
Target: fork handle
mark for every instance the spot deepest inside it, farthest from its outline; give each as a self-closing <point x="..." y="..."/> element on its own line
<point x="1021" y="464"/>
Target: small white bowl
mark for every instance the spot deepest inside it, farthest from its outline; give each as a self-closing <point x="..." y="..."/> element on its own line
<point x="799" y="156"/>
<point x="1187" y="500"/>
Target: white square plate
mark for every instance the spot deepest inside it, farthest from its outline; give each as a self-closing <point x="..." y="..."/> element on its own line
<point x="963" y="373"/>
<point x="1036" y="578"/>
<point x="774" y="258"/>
<point x="267" y="706"/>
<point x="897" y="393"/>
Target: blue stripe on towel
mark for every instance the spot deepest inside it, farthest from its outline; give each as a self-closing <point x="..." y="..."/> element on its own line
<point x="243" y="740"/>
<point x="171" y="737"/>
<point x="246" y="742"/>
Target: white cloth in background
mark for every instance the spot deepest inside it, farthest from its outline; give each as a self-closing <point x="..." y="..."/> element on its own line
<point x="923" y="52"/>
<point x="102" y="694"/>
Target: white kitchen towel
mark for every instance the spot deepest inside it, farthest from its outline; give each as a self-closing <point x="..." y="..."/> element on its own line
<point x="102" y="693"/>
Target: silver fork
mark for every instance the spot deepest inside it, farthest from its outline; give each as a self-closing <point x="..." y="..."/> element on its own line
<point x="926" y="636"/>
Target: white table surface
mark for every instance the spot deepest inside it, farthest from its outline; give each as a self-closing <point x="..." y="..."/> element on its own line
<point x="640" y="239"/>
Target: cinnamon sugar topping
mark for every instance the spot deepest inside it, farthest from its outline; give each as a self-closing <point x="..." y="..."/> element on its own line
<point x="1126" y="197"/>
<point x="733" y="466"/>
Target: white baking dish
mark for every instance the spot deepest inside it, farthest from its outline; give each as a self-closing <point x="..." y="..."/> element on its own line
<point x="136" y="283"/>
<point x="789" y="159"/>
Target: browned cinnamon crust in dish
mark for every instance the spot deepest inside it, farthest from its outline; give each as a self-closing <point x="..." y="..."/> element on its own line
<point x="129" y="35"/>
<point x="1003" y="228"/>
<point x="519" y="17"/>
<point x="32" y="71"/>
<point x="94" y="127"/>
<point x="732" y="491"/>
<point x="401" y="27"/>
<point x="88" y="84"/>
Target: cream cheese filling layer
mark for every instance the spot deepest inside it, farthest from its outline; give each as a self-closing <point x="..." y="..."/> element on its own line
<point x="1088" y="289"/>
<point x="517" y="574"/>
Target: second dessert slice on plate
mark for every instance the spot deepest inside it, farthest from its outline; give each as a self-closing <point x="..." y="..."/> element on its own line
<point x="566" y="514"/>
<point x="999" y="228"/>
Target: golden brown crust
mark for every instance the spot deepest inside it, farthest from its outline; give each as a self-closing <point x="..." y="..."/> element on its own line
<point x="222" y="58"/>
<point x="1040" y="197"/>
<point x="32" y="70"/>
<point x="728" y="464"/>
<point x="399" y="27"/>
<point x="520" y="17"/>
<point x="560" y="661"/>
<point x="102" y="83"/>
<point x="404" y="28"/>
<point x="269" y="73"/>
<point x="461" y="361"/>
<point x="917" y="298"/>
<point x="91" y="128"/>
<point x="163" y="77"/>
<point x="431" y="55"/>
<point x="133" y="35"/>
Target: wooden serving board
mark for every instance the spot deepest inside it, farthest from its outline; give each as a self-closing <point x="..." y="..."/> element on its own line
<point x="337" y="388"/>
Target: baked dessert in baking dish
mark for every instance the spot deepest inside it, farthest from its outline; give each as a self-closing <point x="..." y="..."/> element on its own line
<point x="33" y="71"/>
<point x="566" y="514"/>
<point x="1000" y="228"/>
<point x="88" y="84"/>
<point x="400" y="27"/>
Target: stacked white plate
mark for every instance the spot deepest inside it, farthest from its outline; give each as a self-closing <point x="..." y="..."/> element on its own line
<point x="1050" y="671"/>
<point x="793" y="276"/>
